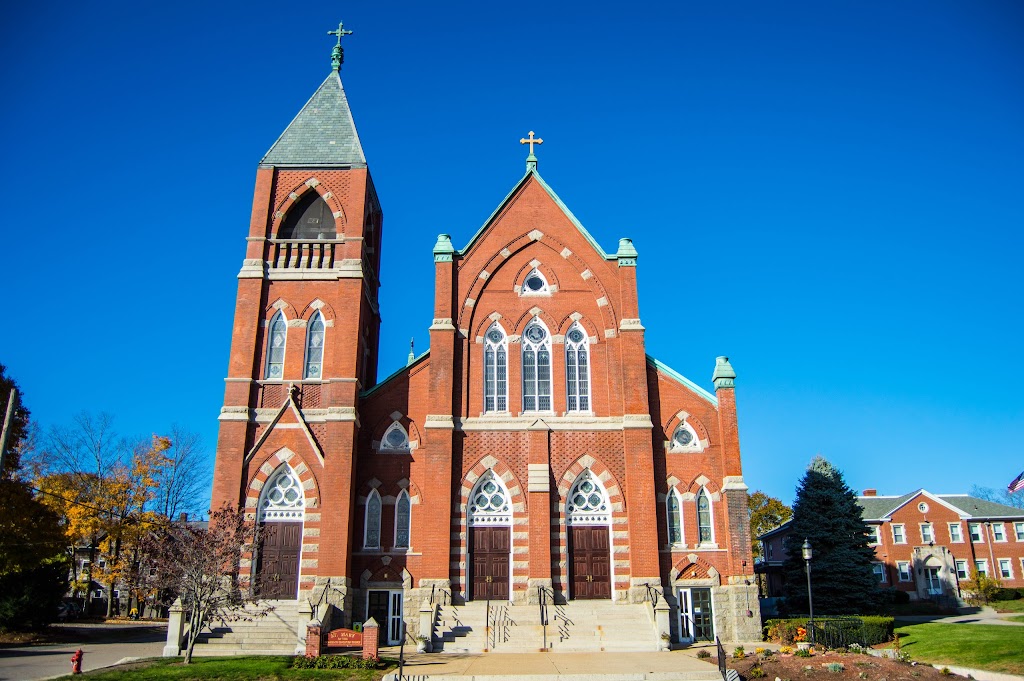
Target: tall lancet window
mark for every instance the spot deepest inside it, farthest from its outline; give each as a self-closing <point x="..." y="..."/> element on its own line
<point x="495" y="369"/>
<point x="276" y="341"/>
<point x="314" y="346"/>
<point x="536" y="342"/>
<point x="371" y="528"/>
<point x="704" y="517"/>
<point x="403" y="520"/>
<point x="675" y="521"/>
<point x="577" y="369"/>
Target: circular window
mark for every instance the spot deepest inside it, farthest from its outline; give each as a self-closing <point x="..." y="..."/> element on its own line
<point x="575" y="335"/>
<point x="396" y="438"/>
<point x="534" y="283"/>
<point x="683" y="437"/>
<point x="536" y="333"/>
<point x="495" y="336"/>
<point x="922" y="507"/>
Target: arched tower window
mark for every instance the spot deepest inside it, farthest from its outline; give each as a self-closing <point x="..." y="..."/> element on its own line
<point x="371" y="526"/>
<point x="704" y="526"/>
<point x="395" y="439"/>
<point x="282" y="497"/>
<point x="489" y="503"/>
<point x="577" y="369"/>
<point x="277" y="339"/>
<point x="314" y="347"/>
<point x="536" y="342"/>
<point x="403" y="520"/>
<point x="495" y="369"/>
<point x="587" y="503"/>
<point x="310" y="218"/>
<point x="673" y="514"/>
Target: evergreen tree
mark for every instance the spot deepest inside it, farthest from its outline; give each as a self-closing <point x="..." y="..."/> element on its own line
<point x="826" y="513"/>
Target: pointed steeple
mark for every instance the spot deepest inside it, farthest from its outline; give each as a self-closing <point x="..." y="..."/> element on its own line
<point x="323" y="134"/>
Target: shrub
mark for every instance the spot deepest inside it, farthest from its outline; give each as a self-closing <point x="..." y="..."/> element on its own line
<point x="900" y="597"/>
<point x="756" y="673"/>
<point x="877" y="629"/>
<point x="739" y="653"/>
<point x="335" y="662"/>
<point x="703" y="654"/>
<point x="835" y="667"/>
<point x="803" y="652"/>
<point x="1006" y="595"/>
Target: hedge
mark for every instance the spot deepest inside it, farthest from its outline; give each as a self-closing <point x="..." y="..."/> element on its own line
<point x="1007" y="595"/>
<point x="875" y="629"/>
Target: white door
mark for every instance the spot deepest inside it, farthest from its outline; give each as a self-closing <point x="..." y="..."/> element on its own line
<point x="934" y="585"/>
<point x="685" y="617"/>
<point x="395" y="621"/>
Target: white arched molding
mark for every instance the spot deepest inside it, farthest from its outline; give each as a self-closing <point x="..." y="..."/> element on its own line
<point x="371" y="521"/>
<point x="495" y="369"/>
<point x="282" y="497"/>
<point x="685" y="437"/>
<point x="577" y="369"/>
<point x="587" y="502"/>
<point x="535" y="284"/>
<point x="403" y="521"/>
<point x="674" y="518"/>
<point x="489" y="502"/>
<point x="705" y="519"/>
<point x="315" y="336"/>
<point x="536" y="366"/>
<point x="395" y="439"/>
<point x="277" y="341"/>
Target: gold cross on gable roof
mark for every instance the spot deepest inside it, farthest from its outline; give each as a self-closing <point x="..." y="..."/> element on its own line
<point x="531" y="141"/>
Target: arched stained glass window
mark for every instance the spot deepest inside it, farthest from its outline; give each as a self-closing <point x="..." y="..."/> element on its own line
<point x="536" y="342"/>
<point x="282" y="497"/>
<point x="395" y="439"/>
<point x="577" y="369"/>
<point x="704" y="517"/>
<point x="310" y="218"/>
<point x="403" y="520"/>
<point x="489" y="502"/>
<point x="314" y="346"/>
<point x="674" y="517"/>
<point x="371" y="529"/>
<point x="587" y="503"/>
<point x="495" y="369"/>
<point x="277" y="339"/>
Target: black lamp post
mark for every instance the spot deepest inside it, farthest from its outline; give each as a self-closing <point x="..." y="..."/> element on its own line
<point x="810" y="600"/>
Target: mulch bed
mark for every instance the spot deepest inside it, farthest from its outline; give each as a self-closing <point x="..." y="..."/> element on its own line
<point x="857" y="667"/>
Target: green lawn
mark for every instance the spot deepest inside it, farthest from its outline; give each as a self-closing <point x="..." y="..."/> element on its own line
<point x="226" y="669"/>
<point x="1016" y="618"/>
<point x="1008" y="606"/>
<point x="979" y="646"/>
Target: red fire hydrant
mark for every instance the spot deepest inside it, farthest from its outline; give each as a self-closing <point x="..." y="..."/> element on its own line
<point x="76" y="662"/>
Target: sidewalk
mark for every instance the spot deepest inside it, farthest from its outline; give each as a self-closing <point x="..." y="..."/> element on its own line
<point x="102" y="644"/>
<point x="984" y="615"/>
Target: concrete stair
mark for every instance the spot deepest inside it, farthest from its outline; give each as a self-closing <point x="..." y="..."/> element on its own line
<point x="272" y="634"/>
<point x="578" y="626"/>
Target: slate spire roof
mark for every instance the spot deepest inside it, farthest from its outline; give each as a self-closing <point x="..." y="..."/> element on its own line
<point x="323" y="134"/>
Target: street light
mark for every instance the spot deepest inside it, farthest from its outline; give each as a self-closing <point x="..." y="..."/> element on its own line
<point x="810" y="600"/>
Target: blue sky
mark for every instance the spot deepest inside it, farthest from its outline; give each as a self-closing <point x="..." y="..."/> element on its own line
<point x="828" y="193"/>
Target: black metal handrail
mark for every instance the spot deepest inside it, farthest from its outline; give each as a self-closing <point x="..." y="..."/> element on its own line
<point x="721" y="660"/>
<point x="542" y="597"/>
<point x="652" y="594"/>
<point x="443" y="595"/>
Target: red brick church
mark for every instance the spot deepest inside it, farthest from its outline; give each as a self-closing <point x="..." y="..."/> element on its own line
<point x="535" y="451"/>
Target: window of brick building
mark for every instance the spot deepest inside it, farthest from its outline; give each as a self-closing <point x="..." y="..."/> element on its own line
<point x="314" y="347"/>
<point x="982" y="567"/>
<point x="673" y="513"/>
<point x="1018" y="529"/>
<point x="704" y="525"/>
<point x="873" y="537"/>
<point x="371" y="526"/>
<point x="975" y="530"/>
<point x="310" y="218"/>
<point x="495" y="369"/>
<point x="904" y="570"/>
<point x="276" y="341"/>
<point x="1005" y="568"/>
<point x="955" y="535"/>
<point x="998" y="532"/>
<point x="961" y="570"/>
<point x="535" y="284"/>
<point x="879" y="570"/>
<point x="536" y="342"/>
<point x="577" y="369"/>
<point x="403" y="520"/>
<point x="926" y="533"/>
<point x="898" y="536"/>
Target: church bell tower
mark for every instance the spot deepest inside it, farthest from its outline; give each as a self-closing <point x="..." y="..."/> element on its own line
<point x="304" y="344"/>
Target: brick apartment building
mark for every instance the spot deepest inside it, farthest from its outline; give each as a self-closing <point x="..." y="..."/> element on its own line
<point x="535" y="446"/>
<point x="927" y="544"/>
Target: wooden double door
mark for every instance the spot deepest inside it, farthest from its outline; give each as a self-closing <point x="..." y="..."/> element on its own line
<point x="591" y="562"/>
<point x="278" y="571"/>
<point x="490" y="548"/>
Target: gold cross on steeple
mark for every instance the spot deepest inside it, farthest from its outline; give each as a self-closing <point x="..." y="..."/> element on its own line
<point x="531" y="141"/>
<point x="338" y="53"/>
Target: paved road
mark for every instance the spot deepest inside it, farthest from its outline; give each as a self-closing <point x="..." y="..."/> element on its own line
<point x="103" y="645"/>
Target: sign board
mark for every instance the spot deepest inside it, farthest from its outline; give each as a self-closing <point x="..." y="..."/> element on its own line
<point x="344" y="638"/>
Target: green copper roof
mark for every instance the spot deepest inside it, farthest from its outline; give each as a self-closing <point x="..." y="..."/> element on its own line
<point x="672" y="373"/>
<point x="323" y="134"/>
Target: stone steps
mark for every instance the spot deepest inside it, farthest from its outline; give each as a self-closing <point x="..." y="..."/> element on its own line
<point x="275" y="633"/>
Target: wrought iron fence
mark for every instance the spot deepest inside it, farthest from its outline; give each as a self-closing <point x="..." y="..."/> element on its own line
<point x="837" y="632"/>
<point x="721" y="660"/>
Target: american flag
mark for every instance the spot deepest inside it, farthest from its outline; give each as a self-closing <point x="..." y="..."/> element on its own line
<point x="1017" y="484"/>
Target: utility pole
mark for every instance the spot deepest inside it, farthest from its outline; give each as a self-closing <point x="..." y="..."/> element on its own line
<point x="12" y="402"/>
